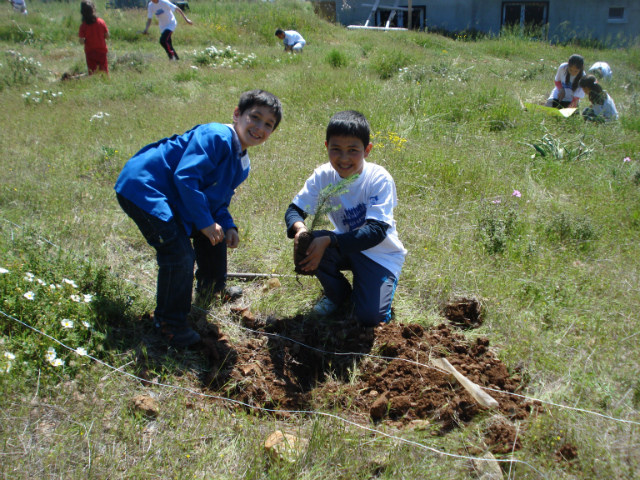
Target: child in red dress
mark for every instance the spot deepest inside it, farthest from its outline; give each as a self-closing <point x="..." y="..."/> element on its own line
<point x="93" y="35"/>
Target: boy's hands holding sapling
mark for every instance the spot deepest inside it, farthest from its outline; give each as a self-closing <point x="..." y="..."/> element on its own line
<point x="315" y="253"/>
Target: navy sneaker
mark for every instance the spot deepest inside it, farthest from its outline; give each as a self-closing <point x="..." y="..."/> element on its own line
<point x="178" y="337"/>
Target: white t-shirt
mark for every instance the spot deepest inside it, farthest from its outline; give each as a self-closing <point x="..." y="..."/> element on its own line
<point x="164" y="11"/>
<point x="602" y="69"/>
<point x="561" y="76"/>
<point x="607" y="110"/>
<point x="291" y="37"/>
<point x="372" y="196"/>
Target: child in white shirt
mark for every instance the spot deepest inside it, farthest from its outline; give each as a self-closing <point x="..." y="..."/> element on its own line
<point x="364" y="239"/>
<point x="567" y="92"/>
<point x="163" y="9"/>
<point x="602" y="106"/>
<point x="293" y="41"/>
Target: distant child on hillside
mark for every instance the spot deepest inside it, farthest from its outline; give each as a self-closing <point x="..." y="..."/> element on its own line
<point x="167" y="22"/>
<point x="364" y="239"/>
<point x="93" y="35"/>
<point x="567" y="92"/>
<point x="602" y="107"/>
<point x="601" y="70"/>
<point x="293" y="41"/>
<point x="19" y="6"/>
<point x="178" y="189"/>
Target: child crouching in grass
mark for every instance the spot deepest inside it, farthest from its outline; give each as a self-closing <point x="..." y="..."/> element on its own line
<point x="364" y="240"/>
<point x="179" y="189"/>
<point x="602" y="107"/>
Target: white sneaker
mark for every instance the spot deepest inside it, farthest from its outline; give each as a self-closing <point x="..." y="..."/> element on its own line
<point x="324" y="307"/>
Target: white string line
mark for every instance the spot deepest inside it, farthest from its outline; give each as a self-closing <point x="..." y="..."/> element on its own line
<point x="298" y="412"/>
<point x="361" y="354"/>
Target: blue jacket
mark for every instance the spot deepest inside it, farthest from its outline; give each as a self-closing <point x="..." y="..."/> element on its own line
<point x="193" y="174"/>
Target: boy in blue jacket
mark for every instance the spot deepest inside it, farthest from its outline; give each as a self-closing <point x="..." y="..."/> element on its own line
<point x="178" y="190"/>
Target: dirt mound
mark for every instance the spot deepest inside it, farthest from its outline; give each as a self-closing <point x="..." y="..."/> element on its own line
<point x="464" y="313"/>
<point x="399" y="388"/>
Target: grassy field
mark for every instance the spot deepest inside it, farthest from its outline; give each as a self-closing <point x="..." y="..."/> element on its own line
<point x="556" y="267"/>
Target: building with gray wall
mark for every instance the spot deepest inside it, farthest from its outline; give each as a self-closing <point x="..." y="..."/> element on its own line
<point x="602" y="19"/>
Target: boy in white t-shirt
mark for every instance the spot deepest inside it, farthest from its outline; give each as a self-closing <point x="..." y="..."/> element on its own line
<point x="364" y="239"/>
<point x="293" y="41"/>
<point x="167" y="22"/>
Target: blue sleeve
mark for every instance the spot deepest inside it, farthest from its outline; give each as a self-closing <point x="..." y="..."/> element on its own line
<point x="203" y="153"/>
<point x="294" y="214"/>
<point x="222" y="216"/>
<point x="372" y="233"/>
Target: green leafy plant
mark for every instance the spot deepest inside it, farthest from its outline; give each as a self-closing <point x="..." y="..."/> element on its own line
<point x="550" y="146"/>
<point x="496" y="225"/>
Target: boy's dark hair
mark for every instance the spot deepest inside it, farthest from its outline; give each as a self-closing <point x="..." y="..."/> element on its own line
<point x="279" y="32"/>
<point x="88" y="12"/>
<point x="597" y="94"/>
<point x="349" y="124"/>
<point x="261" y="98"/>
<point x="575" y="61"/>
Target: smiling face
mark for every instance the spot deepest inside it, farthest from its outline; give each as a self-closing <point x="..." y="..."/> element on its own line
<point x="574" y="70"/>
<point x="254" y="125"/>
<point x="347" y="154"/>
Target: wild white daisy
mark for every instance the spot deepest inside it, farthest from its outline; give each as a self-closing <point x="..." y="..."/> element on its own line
<point x="66" y="323"/>
<point x="81" y="351"/>
<point x="88" y="298"/>
<point x="50" y="355"/>
<point x="9" y="355"/>
<point x="75" y="298"/>
<point x="28" y="279"/>
<point x="29" y="295"/>
<point x="56" y="362"/>
<point x="86" y="324"/>
<point x="52" y="286"/>
<point x="40" y="281"/>
<point x="3" y="270"/>
<point x="70" y="282"/>
<point x="29" y="274"/>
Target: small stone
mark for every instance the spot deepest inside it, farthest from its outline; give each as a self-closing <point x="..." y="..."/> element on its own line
<point x="271" y="284"/>
<point x="146" y="405"/>
<point x="379" y="407"/>
<point x="417" y="425"/>
<point x="284" y="447"/>
<point x="488" y="469"/>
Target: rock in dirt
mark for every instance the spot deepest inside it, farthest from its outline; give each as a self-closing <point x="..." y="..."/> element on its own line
<point x="400" y="405"/>
<point x="418" y="425"/>
<point x="271" y="284"/>
<point x="502" y="435"/>
<point x="464" y="313"/>
<point x="488" y="469"/>
<point x="146" y="405"/>
<point x="379" y="407"/>
<point x="284" y="446"/>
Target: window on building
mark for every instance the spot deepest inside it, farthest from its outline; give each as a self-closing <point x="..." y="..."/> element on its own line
<point x="616" y="14"/>
<point x="525" y="14"/>
<point x="400" y="19"/>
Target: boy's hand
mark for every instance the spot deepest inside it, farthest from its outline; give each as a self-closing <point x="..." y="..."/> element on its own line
<point x="214" y="233"/>
<point x="315" y="253"/>
<point x="561" y="94"/>
<point x="233" y="239"/>
<point x="297" y="236"/>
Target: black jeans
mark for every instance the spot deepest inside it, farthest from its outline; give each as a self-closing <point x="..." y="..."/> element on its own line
<point x="167" y="44"/>
<point x="176" y="256"/>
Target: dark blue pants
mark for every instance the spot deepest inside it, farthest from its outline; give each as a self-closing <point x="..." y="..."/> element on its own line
<point x="176" y="256"/>
<point x="167" y="44"/>
<point x="373" y="285"/>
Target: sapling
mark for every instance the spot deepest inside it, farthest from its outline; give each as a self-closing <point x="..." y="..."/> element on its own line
<point x="323" y="207"/>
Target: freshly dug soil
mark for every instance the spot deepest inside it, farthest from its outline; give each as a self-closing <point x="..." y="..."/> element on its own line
<point x="464" y="313"/>
<point x="299" y="254"/>
<point x="279" y="373"/>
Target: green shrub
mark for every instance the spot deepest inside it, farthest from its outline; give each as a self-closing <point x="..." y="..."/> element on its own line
<point x="336" y="58"/>
<point x="386" y="63"/>
<point x="497" y="223"/>
<point x="566" y="227"/>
